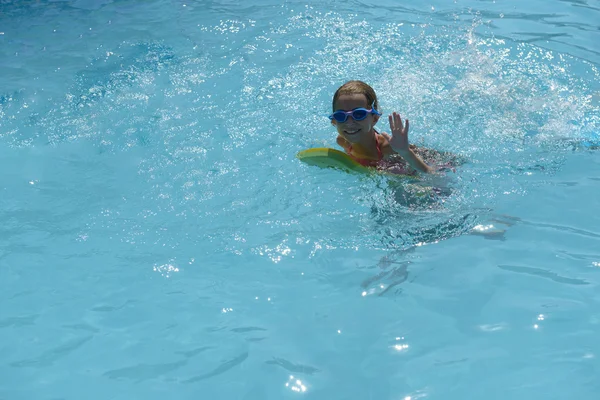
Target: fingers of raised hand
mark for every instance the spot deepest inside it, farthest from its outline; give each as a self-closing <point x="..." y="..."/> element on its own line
<point x="396" y="122"/>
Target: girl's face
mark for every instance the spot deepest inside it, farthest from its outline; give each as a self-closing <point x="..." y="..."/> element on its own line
<point x="352" y="130"/>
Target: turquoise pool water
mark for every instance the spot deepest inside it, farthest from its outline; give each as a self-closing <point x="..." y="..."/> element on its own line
<point x="159" y="239"/>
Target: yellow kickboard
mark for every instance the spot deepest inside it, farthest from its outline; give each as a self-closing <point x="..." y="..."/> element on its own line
<point x="325" y="157"/>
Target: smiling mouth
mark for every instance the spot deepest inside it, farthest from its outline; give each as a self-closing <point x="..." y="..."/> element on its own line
<point x="351" y="131"/>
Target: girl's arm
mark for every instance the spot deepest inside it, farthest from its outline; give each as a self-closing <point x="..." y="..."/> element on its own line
<point x="415" y="161"/>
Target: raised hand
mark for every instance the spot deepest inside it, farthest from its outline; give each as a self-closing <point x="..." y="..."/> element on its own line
<point x="399" y="143"/>
<point x="399" y="140"/>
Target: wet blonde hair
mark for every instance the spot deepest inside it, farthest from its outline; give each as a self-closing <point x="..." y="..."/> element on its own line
<point x="356" y="87"/>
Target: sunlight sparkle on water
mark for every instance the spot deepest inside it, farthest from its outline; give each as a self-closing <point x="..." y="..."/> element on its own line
<point x="296" y="385"/>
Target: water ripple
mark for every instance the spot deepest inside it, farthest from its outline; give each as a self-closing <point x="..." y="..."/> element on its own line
<point x="224" y="367"/>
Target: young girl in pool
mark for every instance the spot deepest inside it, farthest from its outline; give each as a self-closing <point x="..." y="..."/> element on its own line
<point x="355" y="113"/>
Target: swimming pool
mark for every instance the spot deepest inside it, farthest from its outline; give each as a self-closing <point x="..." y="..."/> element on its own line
<point x="159" y="239"/>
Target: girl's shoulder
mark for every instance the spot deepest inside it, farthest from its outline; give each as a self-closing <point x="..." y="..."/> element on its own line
<point x="383" y="140"/>
<point x="382" y="136"/>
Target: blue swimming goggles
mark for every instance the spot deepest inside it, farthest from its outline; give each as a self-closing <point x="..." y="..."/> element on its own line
<point x="358" y="114"/>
